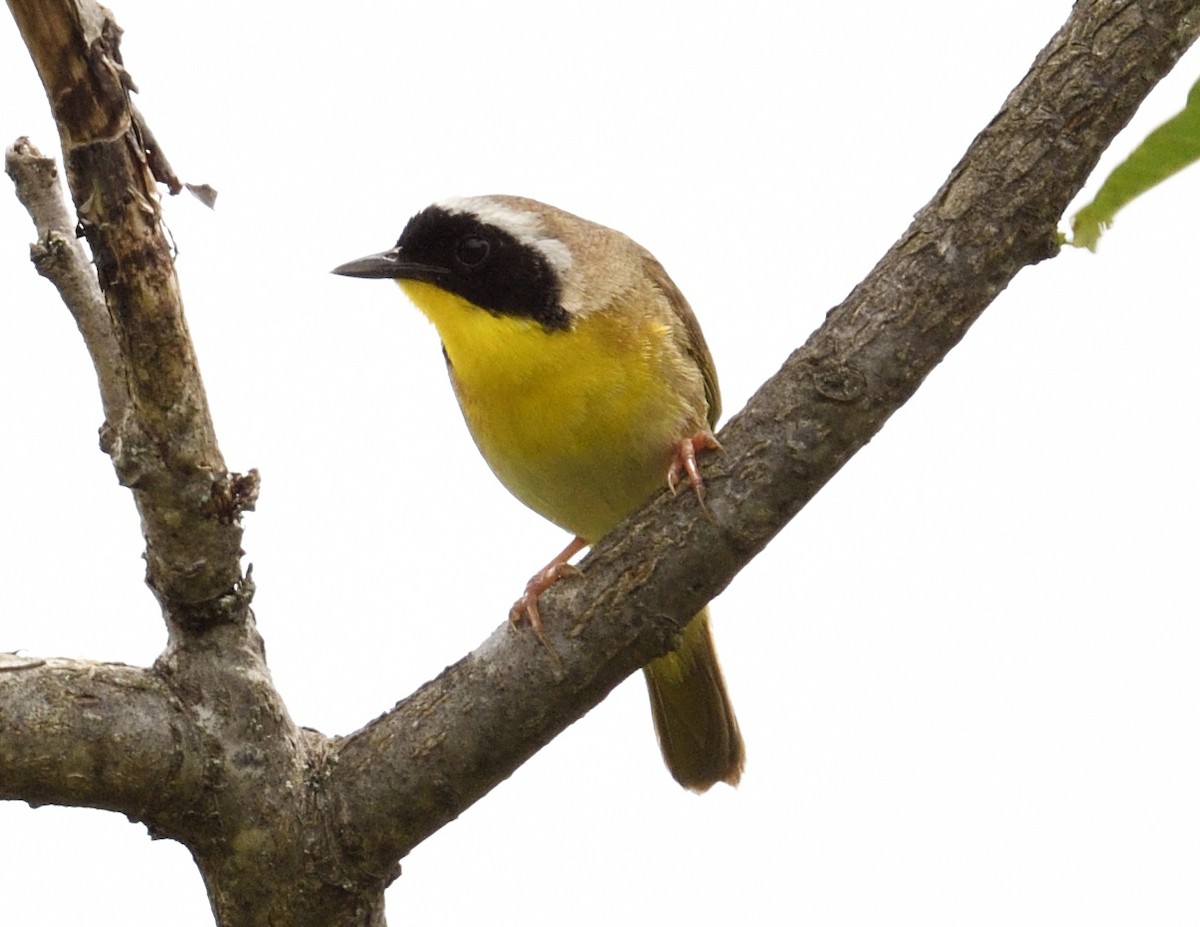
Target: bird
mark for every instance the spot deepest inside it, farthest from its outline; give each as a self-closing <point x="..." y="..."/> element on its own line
<point x="586" y="383"/>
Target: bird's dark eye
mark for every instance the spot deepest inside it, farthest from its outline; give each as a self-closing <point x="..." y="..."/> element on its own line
<point x="472" y="250"/>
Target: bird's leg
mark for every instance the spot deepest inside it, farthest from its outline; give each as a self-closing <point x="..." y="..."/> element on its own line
<point x="526" y="607"/>
<point x="683" y="460"/>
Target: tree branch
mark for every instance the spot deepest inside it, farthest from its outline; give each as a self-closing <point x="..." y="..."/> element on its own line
<point x="97" y="735"/>
<point x="60" y="257"/>
<point x="422" y="764"/>
<point x="163" y="445"/>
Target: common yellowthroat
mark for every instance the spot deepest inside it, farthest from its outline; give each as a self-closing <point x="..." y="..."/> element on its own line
<point x="585" y="382"/>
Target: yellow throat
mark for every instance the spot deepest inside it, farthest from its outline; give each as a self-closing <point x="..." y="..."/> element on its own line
<point x="577" y="423"/>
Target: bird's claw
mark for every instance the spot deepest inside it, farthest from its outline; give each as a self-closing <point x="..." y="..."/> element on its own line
<point x="683" y="461"/>
<point x="526" y="607"/>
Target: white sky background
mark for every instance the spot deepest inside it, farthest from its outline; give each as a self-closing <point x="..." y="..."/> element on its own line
<point x="968" y="674"/>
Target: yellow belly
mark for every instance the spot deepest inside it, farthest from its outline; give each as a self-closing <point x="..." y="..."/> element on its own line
<point x="579" y="424"/>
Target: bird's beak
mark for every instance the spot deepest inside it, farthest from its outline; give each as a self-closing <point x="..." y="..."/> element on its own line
<point x="389" y="265"/>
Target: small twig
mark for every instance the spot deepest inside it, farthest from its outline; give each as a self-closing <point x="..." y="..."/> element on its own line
<point x="61" y="258"/>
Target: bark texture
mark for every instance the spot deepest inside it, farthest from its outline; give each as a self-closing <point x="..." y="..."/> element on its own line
<point x="288" y="826"/>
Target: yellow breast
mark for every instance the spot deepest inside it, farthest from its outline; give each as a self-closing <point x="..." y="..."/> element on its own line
<point x="580" y="423"/>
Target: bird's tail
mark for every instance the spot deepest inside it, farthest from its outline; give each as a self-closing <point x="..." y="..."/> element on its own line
<point x="694" y="720"/>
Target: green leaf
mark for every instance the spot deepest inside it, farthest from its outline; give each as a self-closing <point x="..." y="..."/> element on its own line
<point x="1166" y="151"/>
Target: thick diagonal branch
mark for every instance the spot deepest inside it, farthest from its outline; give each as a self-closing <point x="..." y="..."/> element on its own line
<point x="422" y="764"/>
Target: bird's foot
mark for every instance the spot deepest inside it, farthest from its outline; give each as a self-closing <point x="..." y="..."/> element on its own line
<point x="526" y="607"/>
<point x="683" y="461"/>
